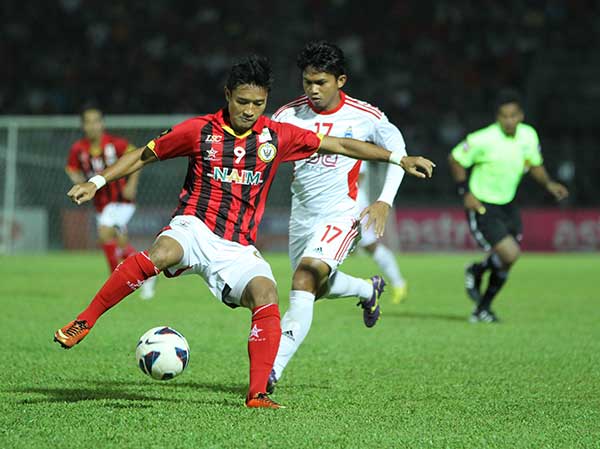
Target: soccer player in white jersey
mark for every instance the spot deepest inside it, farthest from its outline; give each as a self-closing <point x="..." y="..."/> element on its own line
<point x="369" y="242"/>
<point x="325" y="218"/>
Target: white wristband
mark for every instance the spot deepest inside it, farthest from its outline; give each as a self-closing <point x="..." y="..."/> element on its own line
<point x="396" y="157"/>
<point x="99" y="181"/>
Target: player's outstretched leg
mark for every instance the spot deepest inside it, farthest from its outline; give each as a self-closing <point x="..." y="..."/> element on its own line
<point x="342" y="285"/>
<point x="126" y="278"/>
<point x="371" y="309"/>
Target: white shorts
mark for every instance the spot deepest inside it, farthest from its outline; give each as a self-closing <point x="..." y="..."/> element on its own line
<point x="328" y="239"/>
<point x="116" y="215"/>
<point x="368" y="236"/>
<point x="226" y="266"/>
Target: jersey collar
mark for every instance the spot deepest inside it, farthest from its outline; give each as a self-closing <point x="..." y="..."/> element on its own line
<point x="222" y="118"/>
<point x="334" y="110"/>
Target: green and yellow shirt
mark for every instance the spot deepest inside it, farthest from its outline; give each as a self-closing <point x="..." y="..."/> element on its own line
<point x="498" y="161"/>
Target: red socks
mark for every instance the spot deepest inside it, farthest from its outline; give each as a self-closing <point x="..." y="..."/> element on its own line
<point x="263" y="344"/>
<point x="110" y="251"/>
<point x="125" y="279"/>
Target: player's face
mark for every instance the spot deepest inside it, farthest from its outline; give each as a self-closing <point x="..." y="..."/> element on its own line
<point x="509" y="116"/>
<point x="245" y="104"/>
<point x="93" y="124"/>
<point x="322" y="88"/>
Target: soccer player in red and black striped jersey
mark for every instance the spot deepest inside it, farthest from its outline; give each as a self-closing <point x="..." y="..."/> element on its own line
<point x="233" y="156"/>
<point x="115" y="205"/>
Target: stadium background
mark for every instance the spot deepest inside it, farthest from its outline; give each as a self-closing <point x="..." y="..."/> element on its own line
<point x="433" y="67"/>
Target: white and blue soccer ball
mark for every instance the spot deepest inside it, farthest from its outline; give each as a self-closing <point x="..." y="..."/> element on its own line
<point x="162" y="353"/>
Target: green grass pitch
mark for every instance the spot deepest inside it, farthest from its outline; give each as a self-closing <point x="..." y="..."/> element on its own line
<point x="422" y="378"/>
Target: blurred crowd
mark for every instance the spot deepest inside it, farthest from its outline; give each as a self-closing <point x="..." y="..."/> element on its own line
<point x="432" y="66"/>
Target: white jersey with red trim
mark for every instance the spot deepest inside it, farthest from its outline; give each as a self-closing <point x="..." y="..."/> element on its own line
<point x="326" y="184"/>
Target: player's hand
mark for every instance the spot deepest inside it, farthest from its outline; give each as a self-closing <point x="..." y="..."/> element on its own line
<point x="557" y="190"/>
<point x="81" y="193"/>
<point x="417" y="166"/>
<point x="378" y="213"/>
<point x="472" y="203"/>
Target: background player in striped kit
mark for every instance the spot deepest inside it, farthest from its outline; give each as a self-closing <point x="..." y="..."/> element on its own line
<point x="325" y="218"/>
<point x="233" y="157"/>
<point x="497" y="157"/>
<point x="114" y="205"/>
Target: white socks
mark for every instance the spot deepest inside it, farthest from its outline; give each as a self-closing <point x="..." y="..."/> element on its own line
<point x="387" y="262"/>
<point x="342" y="285"/>
<point x="295" y="325"/>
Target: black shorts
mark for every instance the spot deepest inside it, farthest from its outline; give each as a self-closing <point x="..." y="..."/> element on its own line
<point x="497" y="222"/>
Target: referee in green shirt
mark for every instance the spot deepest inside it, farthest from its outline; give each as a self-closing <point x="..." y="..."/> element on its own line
<point x="497" y="156"/>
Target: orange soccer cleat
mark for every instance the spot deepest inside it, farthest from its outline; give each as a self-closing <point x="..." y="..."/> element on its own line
<point x="71" y="334"/>
<point x="262" y="400"/>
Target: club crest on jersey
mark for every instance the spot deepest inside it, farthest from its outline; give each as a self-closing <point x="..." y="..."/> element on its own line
<point x="235" y="176"/>
<point x="267" y="152"/>
<point x="348" y="133"/>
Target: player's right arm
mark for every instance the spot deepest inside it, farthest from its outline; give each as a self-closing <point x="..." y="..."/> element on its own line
<point x="127" y="164"/>
<point x="461" y="158"/>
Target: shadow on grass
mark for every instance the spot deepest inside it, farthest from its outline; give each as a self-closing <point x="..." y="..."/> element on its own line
<point x="238" y="389"/>
<point x="424" y="316"/>
<point x="113" y="397"/>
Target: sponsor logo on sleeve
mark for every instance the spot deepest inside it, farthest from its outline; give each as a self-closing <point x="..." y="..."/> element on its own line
<point x="265" y="136"/>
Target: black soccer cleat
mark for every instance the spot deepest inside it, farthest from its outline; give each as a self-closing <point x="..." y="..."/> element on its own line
<point x="483" y="316"/>
<point x="473" y="283"/>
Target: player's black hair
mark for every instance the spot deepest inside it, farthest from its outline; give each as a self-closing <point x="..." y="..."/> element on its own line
<point x="507" y="95"/>
<point x="254" y="69"/>
<point x="88" y="107"/>
<point x="323" y="56"/>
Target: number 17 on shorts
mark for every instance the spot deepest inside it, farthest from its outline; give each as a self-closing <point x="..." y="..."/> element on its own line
<point x="333" y="240"/>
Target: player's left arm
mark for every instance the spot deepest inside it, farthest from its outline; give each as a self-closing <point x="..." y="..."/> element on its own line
<point x="130" y="189"/>
<point x="417" y="166"/>
<point x="386" y="135"/>
<point x="556" y="189"/>
<point x="535" y="162"/>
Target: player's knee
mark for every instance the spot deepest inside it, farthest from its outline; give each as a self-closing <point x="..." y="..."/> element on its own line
<point x="106" y="234"/>
<point x="259" y="291"/>
<point x="165" y="253"/>
<point x="310" y="274"/>
<point x="509" y="256"/>
<point x="512" y="258"/>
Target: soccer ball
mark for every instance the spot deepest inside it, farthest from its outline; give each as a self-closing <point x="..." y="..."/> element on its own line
<point x="162" y="353"/>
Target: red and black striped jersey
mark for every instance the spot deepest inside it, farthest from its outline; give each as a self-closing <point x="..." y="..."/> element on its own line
<point x="229" y="175"/>
<point x="91" y="160"/>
